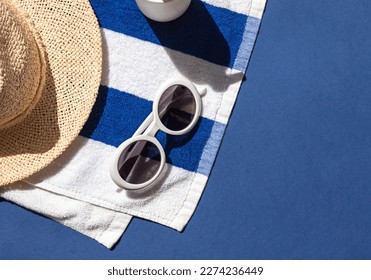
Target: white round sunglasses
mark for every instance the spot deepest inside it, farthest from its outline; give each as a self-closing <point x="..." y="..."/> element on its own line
<point x="139" y="161"/>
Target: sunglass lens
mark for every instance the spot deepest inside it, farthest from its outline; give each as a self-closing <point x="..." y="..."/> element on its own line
<point x="139" y="162"/>
<point x="177" y="107"/>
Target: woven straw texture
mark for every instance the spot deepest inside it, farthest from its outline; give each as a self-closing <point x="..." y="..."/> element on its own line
<point x="22" y="66"/>
<point x="70" y="33"/>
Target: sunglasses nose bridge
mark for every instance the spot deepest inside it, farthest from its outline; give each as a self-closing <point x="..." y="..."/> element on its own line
<point x="152" y="129"/>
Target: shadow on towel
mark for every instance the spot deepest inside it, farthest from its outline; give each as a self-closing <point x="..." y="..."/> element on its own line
<point x="197" y="33"/>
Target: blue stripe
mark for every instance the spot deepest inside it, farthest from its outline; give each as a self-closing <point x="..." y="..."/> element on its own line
<point x="211" y="149"/>
<point x="116" y="116"/>
<point x="247" y="45"/>
<point x="205" y="31"/>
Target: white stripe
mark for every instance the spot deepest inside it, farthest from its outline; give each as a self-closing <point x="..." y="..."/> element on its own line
<point x="189" y="206"/>
<point x="257" y="8"/>
<point x="253" y="8"/>
<point x="82" y="172"/>
<point x="146" y="65"/>
<point x="238" y="6"/>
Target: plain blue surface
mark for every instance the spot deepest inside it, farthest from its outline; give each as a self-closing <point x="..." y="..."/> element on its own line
<point x="292" y="177"/>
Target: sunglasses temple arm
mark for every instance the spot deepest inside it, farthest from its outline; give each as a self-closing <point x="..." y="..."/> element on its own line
<point x="203" y="92"/>
<point x="144" y="125"/>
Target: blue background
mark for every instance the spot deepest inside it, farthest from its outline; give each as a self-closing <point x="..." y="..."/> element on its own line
<point x="292" y="177"/>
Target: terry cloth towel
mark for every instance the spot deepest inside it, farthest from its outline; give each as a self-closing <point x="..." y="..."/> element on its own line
<point x="210" y="45"/>
<point x="104" y="225"/>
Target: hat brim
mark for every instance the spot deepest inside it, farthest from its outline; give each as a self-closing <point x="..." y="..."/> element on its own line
<point x="71" y="37"/>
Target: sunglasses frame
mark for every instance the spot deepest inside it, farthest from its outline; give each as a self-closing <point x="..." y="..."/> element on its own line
<point x="149" y="128"/>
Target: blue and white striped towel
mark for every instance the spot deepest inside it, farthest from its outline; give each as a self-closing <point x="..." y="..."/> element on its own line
<point x="211" y="45"/>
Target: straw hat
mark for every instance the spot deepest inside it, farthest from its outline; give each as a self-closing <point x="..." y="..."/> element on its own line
<point x="50" y="70"/>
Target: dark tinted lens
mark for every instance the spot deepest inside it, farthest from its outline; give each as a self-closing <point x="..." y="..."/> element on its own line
<point x="177" y="107"/>
<point x="139" y="162"/>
